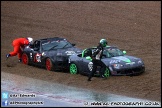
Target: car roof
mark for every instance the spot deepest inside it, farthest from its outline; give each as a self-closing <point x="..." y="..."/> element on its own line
<point x="52" y="39"/>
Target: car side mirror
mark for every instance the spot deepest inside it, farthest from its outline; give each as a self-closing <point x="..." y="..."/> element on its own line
<point x="124" y="52"/>
<point x="73" y="44"/>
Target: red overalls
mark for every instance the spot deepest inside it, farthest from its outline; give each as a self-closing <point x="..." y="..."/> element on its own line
<point x="18" y="44"/>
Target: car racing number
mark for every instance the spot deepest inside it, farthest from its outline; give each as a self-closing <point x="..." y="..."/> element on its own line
<point x="37" y="57"/>
<point x="114" y="61"/>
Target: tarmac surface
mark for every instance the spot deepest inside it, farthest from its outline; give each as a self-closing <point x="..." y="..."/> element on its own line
<point x="39" y="93"/>
<point x="132" y="26"/>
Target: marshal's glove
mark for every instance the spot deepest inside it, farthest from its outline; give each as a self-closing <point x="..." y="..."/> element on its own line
<point x="7" y="56"/>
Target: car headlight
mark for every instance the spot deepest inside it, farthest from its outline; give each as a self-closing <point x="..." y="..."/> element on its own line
<point x="140" y="62"/>
<point x="117" y="66"/>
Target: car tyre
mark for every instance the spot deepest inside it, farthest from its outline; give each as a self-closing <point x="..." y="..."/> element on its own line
<point x="49" y="65"/>
<point x="25" y="59"/>
<point x="73" y="68"/>
<point x="107" y="73"/>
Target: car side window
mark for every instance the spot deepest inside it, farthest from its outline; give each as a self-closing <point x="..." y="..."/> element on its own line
<point x="87" y="52"/>
<point x="36" y="45"/>
<point x="79" y="55"/>
<point x="105" y="52"/>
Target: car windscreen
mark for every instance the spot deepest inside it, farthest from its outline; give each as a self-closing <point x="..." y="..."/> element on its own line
<point x="112" y="52"/>
<point x="50" y="45"/>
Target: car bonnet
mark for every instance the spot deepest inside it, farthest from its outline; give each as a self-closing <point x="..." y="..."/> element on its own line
<point x="120" y="59"/>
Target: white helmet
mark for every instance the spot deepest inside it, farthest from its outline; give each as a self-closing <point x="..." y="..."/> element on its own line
<point x="30" y="39"/>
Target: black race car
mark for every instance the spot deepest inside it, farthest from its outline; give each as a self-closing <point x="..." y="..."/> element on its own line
<point x="50" y="53"/>
<point x="117" y="62"/>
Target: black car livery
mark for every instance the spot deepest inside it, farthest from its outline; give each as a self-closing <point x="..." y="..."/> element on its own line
<point x="51" y="53"/>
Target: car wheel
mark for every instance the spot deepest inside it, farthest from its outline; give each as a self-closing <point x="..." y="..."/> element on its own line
<point x="73" y="68"/>
<point x="107" y="73"/>
<point x="25" y="59"/>
<point x="49" y="65"/>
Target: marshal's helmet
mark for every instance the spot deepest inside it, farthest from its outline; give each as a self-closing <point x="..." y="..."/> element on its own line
<point x="103" y="42"/>
<point x="30" y="40"/>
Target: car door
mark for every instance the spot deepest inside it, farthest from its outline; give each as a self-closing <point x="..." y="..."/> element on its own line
<point x="36" y="52"/>
<point x="87" y="65"/>
<point x="86" y="62"/>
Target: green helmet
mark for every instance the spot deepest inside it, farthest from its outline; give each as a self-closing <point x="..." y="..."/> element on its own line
<point x="103" y="42"/>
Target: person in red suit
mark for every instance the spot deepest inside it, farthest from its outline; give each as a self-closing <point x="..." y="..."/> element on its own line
<point x="19" y="44"/>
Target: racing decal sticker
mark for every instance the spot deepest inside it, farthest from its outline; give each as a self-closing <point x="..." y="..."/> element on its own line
<point x="70" y="52"/>
<point x="90" y="66"/>
<point x="37" y="57"/>
<point x="59" y="54"/>
<point x="114" y="61"/>
<point x="131" y="63"/>
<point x="78" y="51"/>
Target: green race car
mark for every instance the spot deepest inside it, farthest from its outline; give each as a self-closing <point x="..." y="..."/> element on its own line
<point x="117" y="62"/>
